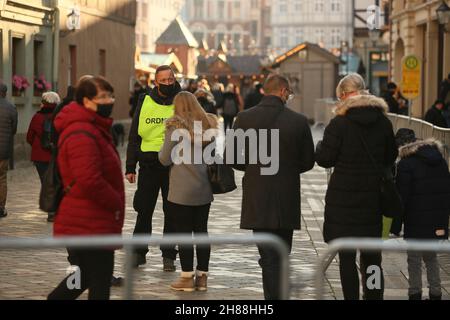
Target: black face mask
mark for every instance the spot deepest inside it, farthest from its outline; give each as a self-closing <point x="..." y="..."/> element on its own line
<point x="167" y="90"/>
<point x="105" y="110"/>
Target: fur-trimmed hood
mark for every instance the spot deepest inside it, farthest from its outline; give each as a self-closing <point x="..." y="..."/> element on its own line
<point x="430" y="149"/>
<point x="361" y="101"/>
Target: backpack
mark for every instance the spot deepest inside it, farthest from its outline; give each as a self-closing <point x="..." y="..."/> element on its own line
<point x="46" y="137"/>
<point x="229" y="107"/>
<point x="52" y="190"/>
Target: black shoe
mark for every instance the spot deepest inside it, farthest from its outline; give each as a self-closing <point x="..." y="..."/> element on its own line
<point x="139" y="260"/>
<point x="51" y="217"/>
<point x="169" y="265"/>
<point x="415" y="297"/>
<point x="3" y="213"/>
<point x="116" y="282"/>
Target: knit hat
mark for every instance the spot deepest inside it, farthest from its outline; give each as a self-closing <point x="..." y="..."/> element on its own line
<point x="50" y="100"/>
<point x="405" y="136"/>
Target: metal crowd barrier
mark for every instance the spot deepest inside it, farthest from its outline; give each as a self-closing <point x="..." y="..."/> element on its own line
<point x="129" y="243"/>
<point x="333" y="249"/>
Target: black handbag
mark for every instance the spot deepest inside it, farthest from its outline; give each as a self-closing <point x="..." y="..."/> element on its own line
<point x="221" y="177"/>
<point x="390" y="200"/>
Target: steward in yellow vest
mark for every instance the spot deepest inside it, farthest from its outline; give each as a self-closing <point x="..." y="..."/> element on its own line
<point x="146" y="140"/>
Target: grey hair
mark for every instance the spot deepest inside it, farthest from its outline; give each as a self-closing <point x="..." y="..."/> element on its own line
<point x="351" y="83"/>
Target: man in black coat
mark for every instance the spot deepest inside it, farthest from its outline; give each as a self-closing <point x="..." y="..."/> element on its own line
<point x="390" y="98"/>
<point x="435" y="115"/>
<point x="444" y="92"/>
<point x="271" y="203"/>
<point x="8" y="128"/>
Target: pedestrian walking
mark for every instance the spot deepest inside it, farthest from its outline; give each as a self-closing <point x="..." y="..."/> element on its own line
<point x="206" y="100"/>
<point x="94" y="200"/>
<point x="39" y="136"/>
<point x="145" y="142"/>
<point x="190" y="193"/>
<point x="423" y="181"/>
<point x="255" y="96"/>
<point x="8" y="129"/>
<point x="352" y="204"/>
<point x="271" y="203"/>
<point x="230" y="106"/>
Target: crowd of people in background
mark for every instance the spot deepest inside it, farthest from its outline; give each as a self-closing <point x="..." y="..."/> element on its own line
<point x="357" y="142"/>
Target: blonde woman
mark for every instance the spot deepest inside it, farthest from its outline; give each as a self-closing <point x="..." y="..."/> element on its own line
<point x="190" y="193"/>
<point x="352" y="204"/>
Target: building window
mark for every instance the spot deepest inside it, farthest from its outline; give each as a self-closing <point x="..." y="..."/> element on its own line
<point x="72" y="77"/>
<point x="284" y="38"/>
<point x="320" y="36"/>
<point x="237" y="10"/>
<point x="221" y="13"/>
<point x="39" y="58"/>
<point x="198" y="9"/>
<point x="255" y="4"/>
<point x="298" y="5"/>
<point x="335" y="38"/>
<point x="102" y="62"/>
<point x="299" y="36"/>
<point x="335" y="5"/>
<point x="318" y="7"/>
<point x="198" y="36"/>
<point x="18" y="56"/>
<point x="254" y="28"/>
<point x="283" y="6"/>
<point x="237" y="42"/>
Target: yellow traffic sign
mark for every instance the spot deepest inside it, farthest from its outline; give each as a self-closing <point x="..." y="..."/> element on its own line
<point x="411" y="76"/>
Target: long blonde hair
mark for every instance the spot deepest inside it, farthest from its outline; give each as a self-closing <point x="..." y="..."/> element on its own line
<point x="187" y="111"/>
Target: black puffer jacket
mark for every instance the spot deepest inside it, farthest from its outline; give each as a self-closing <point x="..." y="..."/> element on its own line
<point x="423" y="181"/>
<point x="8" y="127"/>
<point x="353" y="198"/>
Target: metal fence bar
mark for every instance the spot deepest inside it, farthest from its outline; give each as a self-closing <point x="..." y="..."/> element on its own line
<point x="130" y="242"/>
<point x="370" y="245"/>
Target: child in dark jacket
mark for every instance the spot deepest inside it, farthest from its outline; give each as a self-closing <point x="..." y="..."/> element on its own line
<point x="423" y="181"/>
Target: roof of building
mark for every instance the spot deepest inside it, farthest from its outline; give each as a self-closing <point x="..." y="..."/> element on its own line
<point x="306" y="46"/>
<point x="155" y="60"/>
<point x="244" y="65"/>
<point x="177" y="34"/>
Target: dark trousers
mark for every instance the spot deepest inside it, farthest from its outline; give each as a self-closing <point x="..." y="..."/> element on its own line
<point x="270" y="263"/>
<point x="41" y="169"/>
<point x="396" y="226"/>
<point x="152" y="179"/>
<point x="350" y="279"/>
<point x="190" y="220"/>
<point x="95" y="268"/>
<point x="228" y="122"/>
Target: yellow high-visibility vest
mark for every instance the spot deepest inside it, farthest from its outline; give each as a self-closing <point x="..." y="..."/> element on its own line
<point x="152" y="127"/>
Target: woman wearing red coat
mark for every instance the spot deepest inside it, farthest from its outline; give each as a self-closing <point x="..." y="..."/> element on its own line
<point x="90" y="169"/>
<point x="40" y="155"/>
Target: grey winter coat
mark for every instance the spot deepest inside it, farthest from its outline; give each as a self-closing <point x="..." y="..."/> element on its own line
<point x="189" y="183"/>
<point x="8" y="128"/>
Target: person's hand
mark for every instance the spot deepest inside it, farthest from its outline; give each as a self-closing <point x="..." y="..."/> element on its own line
<point x="131" y="177"/>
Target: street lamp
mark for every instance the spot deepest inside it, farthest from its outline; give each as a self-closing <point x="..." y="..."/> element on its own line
<point x="374" y="35"/>
<point x="443" y="14"/>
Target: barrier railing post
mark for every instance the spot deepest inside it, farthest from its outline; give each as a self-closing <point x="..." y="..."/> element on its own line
<point x="129" y="273"/>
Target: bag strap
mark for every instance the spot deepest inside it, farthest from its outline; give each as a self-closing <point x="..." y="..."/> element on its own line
<point x="367" y="149"/>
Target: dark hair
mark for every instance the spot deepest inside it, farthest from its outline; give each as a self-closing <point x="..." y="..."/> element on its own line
<point x="448" y="76"/>
<point x="275" y="82"/>
<point x="3" y="88"/>
<point x="88" y="88"/>
<point x="163" y="68"/>
<point x="391" y="86"/>
<point x="439" y="102"/>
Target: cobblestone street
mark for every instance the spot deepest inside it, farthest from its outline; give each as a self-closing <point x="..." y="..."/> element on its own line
<point x="234" y="270"/>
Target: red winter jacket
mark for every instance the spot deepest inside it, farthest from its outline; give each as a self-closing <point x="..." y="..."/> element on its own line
<point x="38" y="154"/>
<point x="95" y="205"/>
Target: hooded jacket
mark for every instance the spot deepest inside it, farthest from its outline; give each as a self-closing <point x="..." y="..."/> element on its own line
<point x="423" y="181"/>
<point x="352" y="207"/>
<point x="95" y="204"/>
<point x="8" y="128"/>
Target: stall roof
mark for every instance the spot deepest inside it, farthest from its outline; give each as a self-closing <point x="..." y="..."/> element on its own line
<point x="305" y="46"/>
